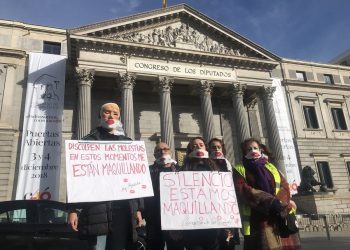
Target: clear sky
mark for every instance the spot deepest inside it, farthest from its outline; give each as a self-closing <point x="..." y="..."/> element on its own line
<point x="310" y="30"/>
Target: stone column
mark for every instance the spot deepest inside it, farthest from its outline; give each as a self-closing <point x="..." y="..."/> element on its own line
<point x="85" y="79"/>
<point x="127" y="84"/>
<point x="206" y="87"/>
<point x="166" y="114"/>
<point x="2" y="83"/>
<point x="9" y="75"/>
<point x="253" y="118"/>
<point x="241" y="119"/>
<point x="272" y="128"/>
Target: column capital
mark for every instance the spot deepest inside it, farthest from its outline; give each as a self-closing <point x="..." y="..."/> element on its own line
<point x="127" y="80"/>
<point x="268" y="92"/>
<point x="237" y="88"/>
<point x="252" y="102"/>
<point x="10" y="65"/>
<point x="85" y="76"/>
<point x="206" y="87"/>
<point x="165" y="84"/>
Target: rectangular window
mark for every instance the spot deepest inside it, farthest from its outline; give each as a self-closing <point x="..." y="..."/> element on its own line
<point x="310" y="117"/>
<point x="325" y="173"/>
<point x="301" y="76"/>
<point x="13" y="216"/>
<point x="348" y="168"/>
<point x="328" y="79"/>
<point x="52" y="48"/>
<point x="338" y="118"/>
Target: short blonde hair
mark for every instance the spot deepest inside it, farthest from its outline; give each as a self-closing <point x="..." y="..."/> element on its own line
<point x="114" y="105"/>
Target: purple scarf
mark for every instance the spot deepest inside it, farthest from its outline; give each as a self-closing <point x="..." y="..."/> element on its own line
<point x="262" y="176"/>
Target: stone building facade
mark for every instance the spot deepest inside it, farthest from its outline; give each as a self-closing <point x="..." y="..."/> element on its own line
<point x="319" y="102"/>
<point x="177" y="74"/>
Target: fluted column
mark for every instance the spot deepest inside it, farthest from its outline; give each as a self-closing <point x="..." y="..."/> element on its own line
<point x="85" y="79"/>
<point x="166" y="114"/>
<point x="253" y="118"/>
<point x="127" y="84"/>
<point x="272" y="128"/>
<point x="206" y="88"/>
<point x="241" y="119"/>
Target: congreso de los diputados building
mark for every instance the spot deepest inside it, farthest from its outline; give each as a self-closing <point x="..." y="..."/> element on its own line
<point x="177" y="74"/>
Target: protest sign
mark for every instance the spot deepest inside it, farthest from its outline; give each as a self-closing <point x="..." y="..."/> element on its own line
<point x="198" y="200"/>
<point x="107" y="170"/>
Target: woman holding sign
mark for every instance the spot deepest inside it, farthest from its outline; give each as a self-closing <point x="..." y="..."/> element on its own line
<point x="229" y="236"/>
<point x="197" y="159"/>
<point x="264" y="198"/>
<point x="106" y="224"/>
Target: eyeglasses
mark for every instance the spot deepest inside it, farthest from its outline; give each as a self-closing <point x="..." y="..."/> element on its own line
<point x="215" y="147"/>
<point x="163" y="149"/>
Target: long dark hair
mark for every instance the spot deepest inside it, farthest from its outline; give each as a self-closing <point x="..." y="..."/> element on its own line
<point x="264" y="149"/>
<point x="246" y="143"/>
<point x="189" y="163"/>
<point x="189" y="148"/>
<point x="219" y="141"/>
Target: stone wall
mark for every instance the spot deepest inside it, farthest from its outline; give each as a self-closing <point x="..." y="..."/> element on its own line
<point x="7" y="140"/>
<point x="322" y="203"/>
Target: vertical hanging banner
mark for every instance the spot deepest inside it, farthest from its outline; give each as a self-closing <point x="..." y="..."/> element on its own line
<point x="286" y="136"/>
<point x="40" y="158"/>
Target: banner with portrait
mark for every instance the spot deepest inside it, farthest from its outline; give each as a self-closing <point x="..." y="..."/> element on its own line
<point x="286" y="136"/>
<point x="40" y="158"/>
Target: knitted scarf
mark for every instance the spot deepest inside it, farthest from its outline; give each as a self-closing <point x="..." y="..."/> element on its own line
<point x="262" y="176"/>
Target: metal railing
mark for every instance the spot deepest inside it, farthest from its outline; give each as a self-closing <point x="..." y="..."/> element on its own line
<point x="323" y="222"/>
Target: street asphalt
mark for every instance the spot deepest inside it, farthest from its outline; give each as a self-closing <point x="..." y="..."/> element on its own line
<point x="319" y="241"/>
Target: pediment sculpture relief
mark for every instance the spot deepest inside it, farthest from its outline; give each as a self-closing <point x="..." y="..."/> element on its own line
<point x="181" y="36"/>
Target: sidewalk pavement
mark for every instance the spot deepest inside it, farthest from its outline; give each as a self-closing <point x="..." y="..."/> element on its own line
<point x="319" y="241"/>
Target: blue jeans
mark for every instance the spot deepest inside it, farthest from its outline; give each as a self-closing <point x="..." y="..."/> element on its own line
<point x="97" y="242"/>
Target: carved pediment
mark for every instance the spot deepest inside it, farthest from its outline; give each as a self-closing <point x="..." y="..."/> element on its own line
<point x="184" y="36"/>
<point x="176" y="27"/>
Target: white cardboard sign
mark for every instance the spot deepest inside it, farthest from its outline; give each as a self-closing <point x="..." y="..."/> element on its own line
<point x="198" y="200"/>
<point x="107" y="170"/>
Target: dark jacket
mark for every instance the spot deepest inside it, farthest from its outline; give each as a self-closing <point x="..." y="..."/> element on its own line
<point x="156" y="238"/>
<point x="152" y="204"/>
<point x="196" y="164"/>
<point x="222" y="164"/>
<point x="96" y="217"/>
<point x="201" y="238"/>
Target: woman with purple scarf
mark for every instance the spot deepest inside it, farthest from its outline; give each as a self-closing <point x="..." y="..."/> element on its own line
<point x="264" y="198"/>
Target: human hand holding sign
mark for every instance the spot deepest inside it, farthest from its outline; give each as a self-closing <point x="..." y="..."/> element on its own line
<point x="73" y="220"/>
